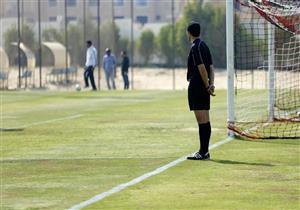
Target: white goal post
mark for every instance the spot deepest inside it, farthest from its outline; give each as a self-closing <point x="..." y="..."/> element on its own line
<point x="230" y="62"/>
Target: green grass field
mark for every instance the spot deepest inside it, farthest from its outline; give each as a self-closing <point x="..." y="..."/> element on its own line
<point x="71" y="146"/>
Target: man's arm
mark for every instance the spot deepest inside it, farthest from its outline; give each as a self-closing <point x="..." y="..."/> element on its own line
<point x="211" y="88"/>
<point x="115" y="66"/>
<point x="87" y="59"/>
<point x="127" y="63"/>
<point x="198" y="61"/>
<point x="103" y="63"/>
<point x="209" y="84"/>
<point x="203" y="74"/>
<point x="212" y="75"/>
<point x="96" y="59"/>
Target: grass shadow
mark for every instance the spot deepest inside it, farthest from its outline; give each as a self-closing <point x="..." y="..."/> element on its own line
<point x="240" y="163"/>
<point x="11" y="129"/>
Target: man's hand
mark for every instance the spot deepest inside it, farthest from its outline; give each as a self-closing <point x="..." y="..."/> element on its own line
<point x="211" y="90"/>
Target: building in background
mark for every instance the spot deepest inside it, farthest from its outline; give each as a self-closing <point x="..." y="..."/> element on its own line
<point x="145" y="11"/>
<point x="151" y="14"/>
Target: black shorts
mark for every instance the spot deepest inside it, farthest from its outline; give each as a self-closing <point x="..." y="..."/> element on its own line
<point x="199" y="98"/>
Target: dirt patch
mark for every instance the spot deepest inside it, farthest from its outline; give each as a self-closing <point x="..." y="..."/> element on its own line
<point x="143" y="78"/>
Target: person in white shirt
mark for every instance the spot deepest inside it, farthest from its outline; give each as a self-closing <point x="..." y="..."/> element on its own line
<point x="109" y="66"/>
<point x="90" y="64"/>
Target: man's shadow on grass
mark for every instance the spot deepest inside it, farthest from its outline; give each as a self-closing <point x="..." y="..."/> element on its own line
<point x="240" y="163"/>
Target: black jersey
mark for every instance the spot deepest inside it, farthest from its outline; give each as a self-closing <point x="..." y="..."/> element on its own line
<point x="125" y="64"/>
<point x="199" y="98"/>
<point x="199" y="54"/>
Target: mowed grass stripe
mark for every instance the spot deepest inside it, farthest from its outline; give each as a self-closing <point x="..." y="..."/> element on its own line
<point x="144" y="127"/>
<point x="41" y="123"/>
<point x="150" y="121"/>
<point x="139" y="179"/>
<point x="125" y="134"/>
<point x="32" y="109"/>
<point x="246" y="175"/>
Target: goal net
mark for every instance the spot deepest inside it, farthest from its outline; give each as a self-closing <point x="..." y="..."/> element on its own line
<point x="267" y="69"/>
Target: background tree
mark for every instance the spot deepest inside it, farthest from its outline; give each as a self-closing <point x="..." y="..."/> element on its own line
<point x="110" y="38"/>
<point x="182" y="44"/>
<point x="76" y="44"/>
<point x="11" y="35"/>
<point x="146" y="44"/>
<point x="217" y="37"/>
<point x="213" y="29"/>
<point x="249" y="49"/>
<point x="164" y="43"/>
<point x="53" y="35"/>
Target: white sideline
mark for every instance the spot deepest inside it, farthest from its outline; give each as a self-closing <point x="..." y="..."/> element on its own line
<point x="48" y="121"/>
<point x="140" y="179"/>
<point x="55" y="120"/>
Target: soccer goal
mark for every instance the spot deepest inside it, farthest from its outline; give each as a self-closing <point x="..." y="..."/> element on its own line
<point x="263" y="63"/>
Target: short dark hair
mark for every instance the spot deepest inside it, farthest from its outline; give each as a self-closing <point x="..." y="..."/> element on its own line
<point x="194" y="28"/>
<point x="89" y="42"/>
<point x="124" y="52"/>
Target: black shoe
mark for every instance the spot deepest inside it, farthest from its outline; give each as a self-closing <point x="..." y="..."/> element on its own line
<point x="198" y="156"/>
<point x="207" y="156"/>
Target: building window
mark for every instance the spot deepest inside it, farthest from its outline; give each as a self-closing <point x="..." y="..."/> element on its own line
<point x="71" y="3"/>
<point x="71" y="18"/>
<point x="52" y="3"/>
<point x="119" y="17"/>
<point x="92" y="3"/>
<point x="119" y="3"/>
<point x="53" y="19"/>
<point x="141" y="2"/>
<point x="142" y="19"/>
<point x="158" y="17"/>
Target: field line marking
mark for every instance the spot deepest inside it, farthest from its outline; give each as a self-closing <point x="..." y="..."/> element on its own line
<point x="139" y="179"/>
<point x="8" y="117"/>
<point x="45" y="122"/>
<point x="55" y="120"/>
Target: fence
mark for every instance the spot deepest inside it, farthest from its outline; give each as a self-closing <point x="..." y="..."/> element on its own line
<point x="45" y="40"/>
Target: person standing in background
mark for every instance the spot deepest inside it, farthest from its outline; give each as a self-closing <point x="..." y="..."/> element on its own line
<point x="109" y="66"/>
<point x="124" y="69"/>
<point x="90" y="64"/>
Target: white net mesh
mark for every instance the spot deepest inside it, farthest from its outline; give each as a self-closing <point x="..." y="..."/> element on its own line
<point x="252" y="52"/>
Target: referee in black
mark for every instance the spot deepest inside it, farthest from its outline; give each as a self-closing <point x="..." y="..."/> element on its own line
<point x="200" y="75"/>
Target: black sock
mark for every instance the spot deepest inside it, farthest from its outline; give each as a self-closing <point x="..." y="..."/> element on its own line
<point x="207" y="136"/>
<point x="201" y="138"/>
<point x="204" y="133"/>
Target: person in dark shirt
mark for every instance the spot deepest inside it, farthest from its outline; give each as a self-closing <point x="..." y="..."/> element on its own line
<point x="200" y="75"/>
<point x="124" y="69"/>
